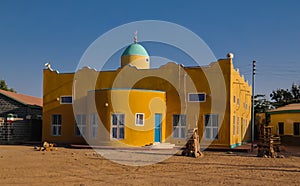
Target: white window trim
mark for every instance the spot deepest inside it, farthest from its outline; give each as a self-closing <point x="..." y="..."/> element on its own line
<point x="57" y="125"/>
<point x="197" y="93"/>
<point x="65" y="103"/>
<point x="116" y="126"/>
<point x="80" y="126"/>
<point x="143" y="121"/>
<point x="211" y="127"/>
<point x="94" y="125"/>
<point x="179" y="127"/>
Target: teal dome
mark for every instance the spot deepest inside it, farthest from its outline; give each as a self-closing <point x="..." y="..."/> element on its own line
<point x="135" y="49"/>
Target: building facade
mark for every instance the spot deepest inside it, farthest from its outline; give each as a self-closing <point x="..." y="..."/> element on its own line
<point x="138" y="105"/>
<point x="286" y="123"/>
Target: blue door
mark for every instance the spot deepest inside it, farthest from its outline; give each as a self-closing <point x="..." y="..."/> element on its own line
<point x="157" y="128"/>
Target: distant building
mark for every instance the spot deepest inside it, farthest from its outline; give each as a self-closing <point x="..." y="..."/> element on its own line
<point x="286" y="122"/>
<point x="20" y="118"/>
<point x="138" y="105"/>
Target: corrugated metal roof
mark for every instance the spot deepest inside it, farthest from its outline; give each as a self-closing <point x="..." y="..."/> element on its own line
<point x="22" y="98"/>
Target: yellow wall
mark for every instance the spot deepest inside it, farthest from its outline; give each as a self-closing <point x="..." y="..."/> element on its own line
<point x="130" y="102"/>
<point x="203" y="78"/>
<point x="240" y="108"/>
<point x="54" y="86"/>
<point x="140" y="62"/>
<point x="287" y="118"/>
<point x="175" y="80"/>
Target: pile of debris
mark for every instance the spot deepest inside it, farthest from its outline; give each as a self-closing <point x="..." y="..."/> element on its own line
<point x="192" y="147"/>
<point x="46" y="147"/>
<point x="269" y="144"/>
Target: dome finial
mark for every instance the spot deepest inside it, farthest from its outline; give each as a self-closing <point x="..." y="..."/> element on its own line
<point x="229" y="55"/>
<point x="135" y="37"/>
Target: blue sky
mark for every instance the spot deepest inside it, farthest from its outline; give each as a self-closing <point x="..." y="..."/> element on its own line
<point x="35" y="32"/>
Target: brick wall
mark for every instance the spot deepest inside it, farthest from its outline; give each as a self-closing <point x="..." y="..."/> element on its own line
<point x="16" y="132"/>
<point x="20" y="131"/>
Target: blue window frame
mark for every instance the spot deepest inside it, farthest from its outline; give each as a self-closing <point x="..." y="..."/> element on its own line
<point x="66" y="100"/>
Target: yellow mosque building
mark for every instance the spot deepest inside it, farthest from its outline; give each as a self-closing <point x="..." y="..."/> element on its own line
<point x="137" y="105"/>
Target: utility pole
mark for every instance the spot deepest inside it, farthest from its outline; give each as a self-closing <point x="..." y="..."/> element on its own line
<point x="253" y="114"/>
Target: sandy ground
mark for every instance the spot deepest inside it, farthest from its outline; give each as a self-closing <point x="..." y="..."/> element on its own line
<point x="21" y="165"/>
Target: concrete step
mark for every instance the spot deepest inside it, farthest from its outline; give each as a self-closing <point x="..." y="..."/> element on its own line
<point x="162" y="146"/>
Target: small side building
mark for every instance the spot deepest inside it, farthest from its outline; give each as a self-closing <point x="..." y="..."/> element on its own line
<point x="286" y="123"/>
<point x="20" y="117"/>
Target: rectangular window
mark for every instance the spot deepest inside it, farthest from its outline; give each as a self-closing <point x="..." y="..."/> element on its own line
<point x="66" y="100"/>
<point x="281" y="128"/>
<point x="197" y="97"/>
<point x="233" y="125"/>
<point x="237" y="125"/>
<point x="211" y="126"/>
<point x="296" y="129"/>
<point x="93" y="125"/>
<point x="139" y="119"/>
<point x="179" y="126"/>
<point x="234" y="99"/>
<point x="240" y="127"/>
<point x="80" y="125"/>
<point x="56" y="125"/>
<point x="244" y="127"/>
<point x="238" y="101"/>
<point x="117" y="126"/>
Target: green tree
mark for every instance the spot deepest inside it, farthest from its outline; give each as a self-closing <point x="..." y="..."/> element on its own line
<point x="261" y="104"/>
<point x="3" y="86"/>
<point x="283" y="97"/>
<point x="295" y="90"/>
